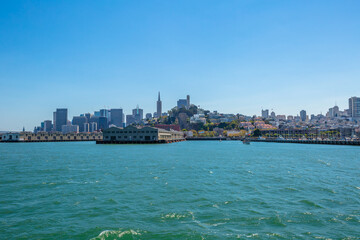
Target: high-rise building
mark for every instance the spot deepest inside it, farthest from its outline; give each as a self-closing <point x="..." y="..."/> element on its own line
<point x="117" y="117"/>
<point x="303" y="115"/>
<point x="86" y="127"/>
<point x="265" y="113"/>
<point x="80" y="121"/>
<point x="138" y="114"/>
<point x="88" y="116"/>
<point x="105" y="113"/>
<point x="103" y="123"/>
<point x="93" y="127"/>
<point x="130" y="120"/>
<point x="47" y="126"/>
<point x="60" y="118"/>
<point x="354" y="107"/>
<point x="158" y="106"/>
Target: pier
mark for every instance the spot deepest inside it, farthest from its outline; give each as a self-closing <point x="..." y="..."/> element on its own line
<point x="328" y="142"/>
<point x="139" y="142"/>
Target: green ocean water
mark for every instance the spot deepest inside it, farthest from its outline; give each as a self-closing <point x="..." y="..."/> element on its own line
<point x="186" y="190"/>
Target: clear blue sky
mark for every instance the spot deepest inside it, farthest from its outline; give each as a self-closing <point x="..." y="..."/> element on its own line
<point x="230" y="56"/>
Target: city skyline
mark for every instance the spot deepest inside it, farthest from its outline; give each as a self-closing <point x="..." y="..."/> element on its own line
<point x="122" y="117"/>
<point x="233" y="57"/>
<point x="130" y="112"/>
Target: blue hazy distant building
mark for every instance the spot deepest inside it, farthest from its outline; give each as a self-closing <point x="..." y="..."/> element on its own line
<point x="184" y="103"/>
<point x="303" y="115"/>
<point x="80" y="121"/>
<point x="354" y="107"/>
<point x="60" y="118"/>
<point x="47" y="126"/>
<point x="117" y="117"/>
<point x="103" y="123"/>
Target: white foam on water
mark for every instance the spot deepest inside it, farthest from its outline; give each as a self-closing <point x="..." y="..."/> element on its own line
<point x="116" y="233"/>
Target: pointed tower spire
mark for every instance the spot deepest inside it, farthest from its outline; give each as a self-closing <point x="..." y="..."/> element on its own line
<point x="158" y="107"/>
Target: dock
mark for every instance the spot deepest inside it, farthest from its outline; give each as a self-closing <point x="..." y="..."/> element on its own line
<point x="139" y="142"/>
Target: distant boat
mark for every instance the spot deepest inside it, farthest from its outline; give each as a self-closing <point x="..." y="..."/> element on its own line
<point x="246" y="141"/>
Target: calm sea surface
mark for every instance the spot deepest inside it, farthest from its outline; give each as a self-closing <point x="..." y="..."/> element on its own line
<point x="187" y="190"/>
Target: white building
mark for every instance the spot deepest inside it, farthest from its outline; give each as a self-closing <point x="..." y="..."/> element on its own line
<point x="10" y="137"/>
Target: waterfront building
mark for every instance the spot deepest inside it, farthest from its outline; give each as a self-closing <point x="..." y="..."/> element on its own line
<point x="117" y="117"/>
<point x="80" y="121"/>
<point x="303" y="115"/>
<point x="10" y="137"/>
<point x="47" y="126"/>
<point x="140" y="134"/>
<point x="265" y="113"/>
<point x="354" y="107"/>
<point x="60" y="118"/>
<point x="158" y="106"/>
<point x="58" y="137"/>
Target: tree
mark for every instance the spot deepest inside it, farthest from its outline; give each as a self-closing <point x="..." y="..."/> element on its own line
<point x="257" y="133"/>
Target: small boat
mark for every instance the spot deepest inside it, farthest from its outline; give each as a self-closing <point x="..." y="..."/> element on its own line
<point x="246" y="141"/>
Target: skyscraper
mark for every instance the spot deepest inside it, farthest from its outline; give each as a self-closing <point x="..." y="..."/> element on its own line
<point x="103" y="123"/>
<point x="158" y="107"/>
<point x="138" y="114"/>
<point x="354" y="107"/>
<point x="60" y="118"/>
<point x="117" y="117"/>
<point x="80" y="121"/>
<point x="47" y="126"/>
<point x="265" y="113"/>
<point x="105" y="113"/>
<point x="303" y="115"/>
